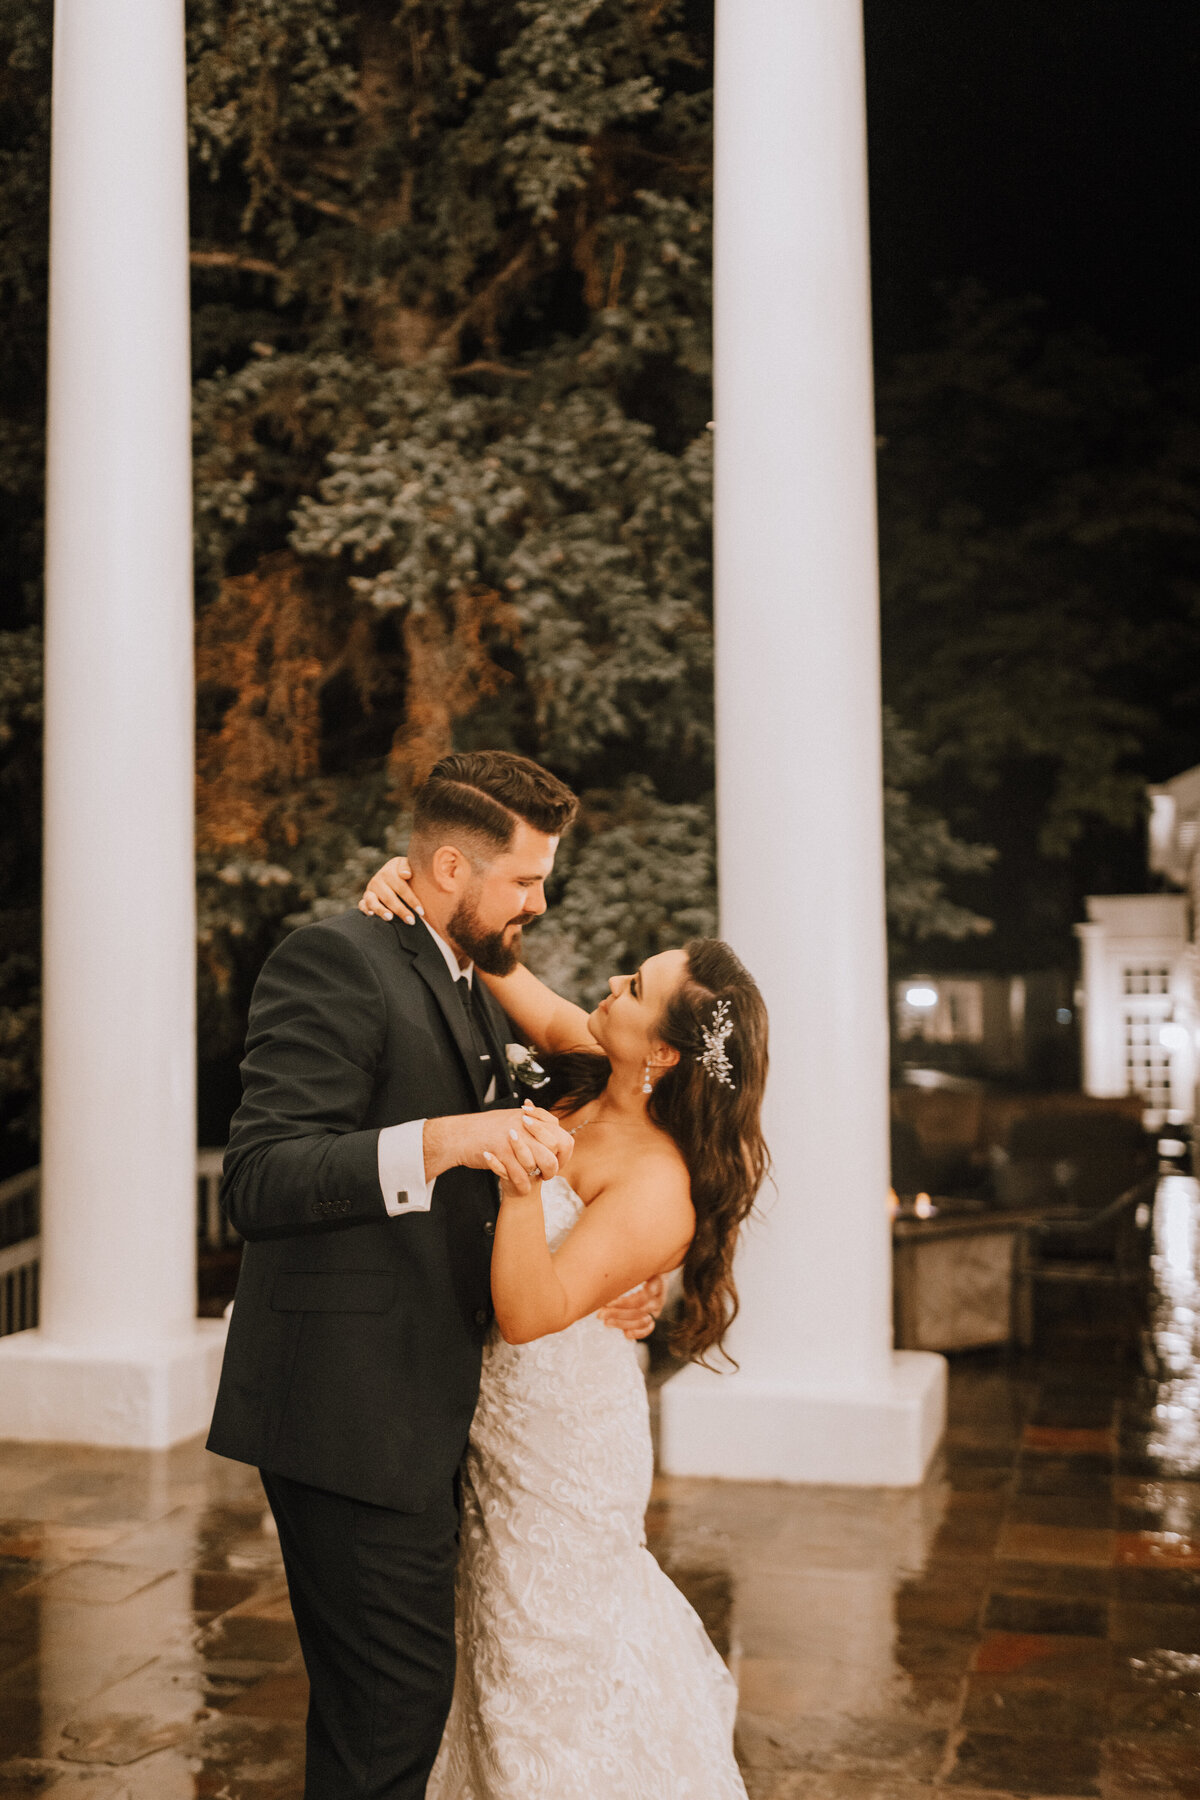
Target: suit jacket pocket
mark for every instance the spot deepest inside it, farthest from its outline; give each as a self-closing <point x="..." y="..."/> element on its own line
<point x="333" y="1290"/>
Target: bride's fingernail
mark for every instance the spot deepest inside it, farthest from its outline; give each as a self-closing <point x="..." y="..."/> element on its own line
<point x="421" y="910"/>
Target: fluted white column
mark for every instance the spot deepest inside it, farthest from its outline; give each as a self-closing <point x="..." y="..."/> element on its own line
<point x="1102" y="1070"/>
<point x="119" y="1357"/>
<point x="819" y="1395"/>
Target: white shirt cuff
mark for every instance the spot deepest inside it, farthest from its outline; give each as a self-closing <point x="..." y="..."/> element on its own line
<point x="402" y="1168"/>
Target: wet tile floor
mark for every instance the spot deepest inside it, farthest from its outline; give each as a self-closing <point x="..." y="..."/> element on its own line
<point x="1025" y="1623"/>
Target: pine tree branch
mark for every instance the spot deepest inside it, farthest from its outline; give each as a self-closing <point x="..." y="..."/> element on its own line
<point x="481" y="366"/>
<point x="330" y="208"/>
<point x="484" y="298"/>
<point x="233" y="259"/>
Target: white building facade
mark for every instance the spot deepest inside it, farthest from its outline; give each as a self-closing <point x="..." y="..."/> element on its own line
<point x="1138" y="1003"/>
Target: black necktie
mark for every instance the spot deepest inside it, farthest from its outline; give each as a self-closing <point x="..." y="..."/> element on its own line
<point x="477" y="1036"/>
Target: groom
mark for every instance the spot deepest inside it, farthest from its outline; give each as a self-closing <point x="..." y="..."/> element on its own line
<point x="374" y="1082"/>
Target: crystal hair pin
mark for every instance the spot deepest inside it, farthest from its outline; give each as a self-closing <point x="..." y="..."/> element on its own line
<point x="714" y="1058"/>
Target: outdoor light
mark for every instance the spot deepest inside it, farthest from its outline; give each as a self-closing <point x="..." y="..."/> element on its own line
<point x="921" y="996"/>
<point x="1173" y="1036"/>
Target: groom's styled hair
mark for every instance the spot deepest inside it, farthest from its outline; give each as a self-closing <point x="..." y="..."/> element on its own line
<point x="482" y="795"/>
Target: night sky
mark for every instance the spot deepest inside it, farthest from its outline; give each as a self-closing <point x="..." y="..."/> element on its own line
<point x="1045" y="147"/>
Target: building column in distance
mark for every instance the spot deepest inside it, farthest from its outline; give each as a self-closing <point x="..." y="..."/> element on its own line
<point x="1100" y="1006"/>
<point x="120" y="1357"/>
<point x="819" y="1394"/>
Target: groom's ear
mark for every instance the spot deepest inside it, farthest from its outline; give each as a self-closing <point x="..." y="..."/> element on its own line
<point x="447" y="867"/>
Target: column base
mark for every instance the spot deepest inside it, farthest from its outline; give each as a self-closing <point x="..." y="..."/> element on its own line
<point x="144" y="1398"/>
<point x="740" y="1429"/>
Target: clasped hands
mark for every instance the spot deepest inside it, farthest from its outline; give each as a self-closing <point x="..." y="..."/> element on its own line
<point x="522" y="1147"/>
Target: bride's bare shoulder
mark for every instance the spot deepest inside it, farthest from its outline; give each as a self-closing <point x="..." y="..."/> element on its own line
<point x="655" y="1171"/>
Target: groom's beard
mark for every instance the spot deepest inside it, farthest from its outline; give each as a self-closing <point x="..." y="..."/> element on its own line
<point x="488" y="950"/>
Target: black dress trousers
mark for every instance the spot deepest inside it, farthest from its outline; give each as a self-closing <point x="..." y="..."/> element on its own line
<point x="372" y="1591"/>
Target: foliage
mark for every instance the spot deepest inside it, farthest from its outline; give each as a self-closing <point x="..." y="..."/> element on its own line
<point x="1031" y="490"/>
<point x="920" y="851"/>
<point x="446" y="256"/>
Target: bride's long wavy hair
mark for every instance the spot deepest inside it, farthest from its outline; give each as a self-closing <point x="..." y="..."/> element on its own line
<point x="716" y="1127"/>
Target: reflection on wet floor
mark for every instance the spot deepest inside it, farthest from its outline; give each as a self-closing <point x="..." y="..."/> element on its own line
<point x="1025" y="1623"/>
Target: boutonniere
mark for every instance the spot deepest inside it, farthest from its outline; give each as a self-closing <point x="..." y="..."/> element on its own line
<point x="523" y="1066"/>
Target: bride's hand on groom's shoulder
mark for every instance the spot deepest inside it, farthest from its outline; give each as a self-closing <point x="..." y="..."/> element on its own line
<point x="389" y="891"/>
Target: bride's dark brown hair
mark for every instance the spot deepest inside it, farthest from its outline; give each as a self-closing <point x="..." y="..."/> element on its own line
<point x="716" y="1127"/>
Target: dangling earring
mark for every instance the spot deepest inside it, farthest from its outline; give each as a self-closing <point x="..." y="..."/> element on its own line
<point x="647" y="1084"/>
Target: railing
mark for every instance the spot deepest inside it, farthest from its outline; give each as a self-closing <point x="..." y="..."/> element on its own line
<point x="21" y="1244"/>
<point x="214" y="1230"/>
<point x="20" y="1252"/>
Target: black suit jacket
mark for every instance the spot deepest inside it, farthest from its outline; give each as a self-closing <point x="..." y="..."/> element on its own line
<point x="353" y="1355"/>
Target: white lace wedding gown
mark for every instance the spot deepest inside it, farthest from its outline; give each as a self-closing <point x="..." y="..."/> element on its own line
<point x="583" y="1673"/>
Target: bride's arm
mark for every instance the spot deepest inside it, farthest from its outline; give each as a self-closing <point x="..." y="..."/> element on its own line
<point x="634" y="1230"/>
<point x="551" y="1022"/>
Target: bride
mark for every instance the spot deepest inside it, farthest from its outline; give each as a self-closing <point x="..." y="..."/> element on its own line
<point x="583" y="1674"/>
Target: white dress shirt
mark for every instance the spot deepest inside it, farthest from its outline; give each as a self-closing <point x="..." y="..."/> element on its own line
<point x="401" y="1151"/>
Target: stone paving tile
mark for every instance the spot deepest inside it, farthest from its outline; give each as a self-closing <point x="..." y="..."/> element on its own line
<point x="1057" y="1544"/>
<point x="1018" y="1706"/>
<point x="1046" y="1613"/>
<point x="1079" y="1662"/>
<point x="97" y="1583"/>
<point x="52" y="1782"/>
<point x="1150" y="1769"/>
<point x="1077" y="1581"/>
<point x="1070" y="1440"/>
<point x="1093" y="1512"/>
<point x="1030" y="1764"/>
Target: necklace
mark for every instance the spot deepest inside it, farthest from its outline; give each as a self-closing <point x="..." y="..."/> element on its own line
<point x="592" y="1121"/>
<point x="627" y="1123"/>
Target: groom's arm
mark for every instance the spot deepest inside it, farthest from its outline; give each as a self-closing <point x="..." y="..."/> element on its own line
<point x="298" y="1159"/>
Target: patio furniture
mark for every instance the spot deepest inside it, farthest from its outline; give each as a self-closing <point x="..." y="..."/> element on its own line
<point x="1106" y="1249"/>
<point x="953" y="1277"/>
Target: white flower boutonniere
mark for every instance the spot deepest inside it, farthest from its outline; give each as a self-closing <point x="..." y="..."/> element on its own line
<point x="523" y="1066"/>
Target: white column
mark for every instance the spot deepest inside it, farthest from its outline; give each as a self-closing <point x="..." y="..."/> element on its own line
<point x="819" y="1395"/>
<point x="120" y="1358"/>
<point x="1101" y="1021"/>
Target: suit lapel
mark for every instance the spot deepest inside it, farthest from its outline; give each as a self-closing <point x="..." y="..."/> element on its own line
<point x="431" y="967"/>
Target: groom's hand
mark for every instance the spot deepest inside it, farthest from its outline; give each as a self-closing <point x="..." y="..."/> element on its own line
<point x="528" y="1148"/>
<point x="635" y="1313"/>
